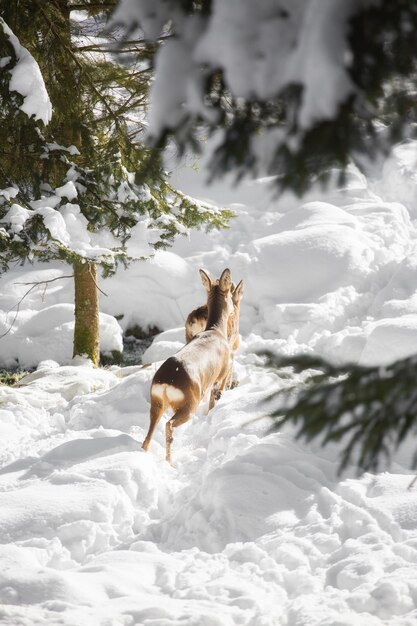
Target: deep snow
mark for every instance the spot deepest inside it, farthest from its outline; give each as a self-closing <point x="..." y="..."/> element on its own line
<point x="249" y="527"/>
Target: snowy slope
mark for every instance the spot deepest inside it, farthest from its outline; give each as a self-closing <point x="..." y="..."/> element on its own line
<point x="334" y="273"/>
<point x="246" y="528"/>
<point x="249" y="527"/>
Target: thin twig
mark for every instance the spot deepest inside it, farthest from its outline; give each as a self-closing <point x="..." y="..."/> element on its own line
<point x="118" y="46"/>
<point x="17" y="311"/>
<point x="179" y="309"/>
<point x="42" y="282"/>
<point x="17" y="305"/>
<point x="95" y="282"/>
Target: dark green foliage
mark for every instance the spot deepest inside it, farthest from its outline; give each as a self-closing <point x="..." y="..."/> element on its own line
<point x="11" y="378"/>
<point x="369" y="410"/>
<point x="20" y="139"/>
<point x="379" y="112"/>
<point x="98" y="108"/>
<point x="115" y="357"/>
<point x="138" y="332"/>
<point x="93" y="142"/>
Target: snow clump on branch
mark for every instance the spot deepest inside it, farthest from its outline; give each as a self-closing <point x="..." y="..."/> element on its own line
<point x="26" y="79"/>
<point x="261" y="50"/>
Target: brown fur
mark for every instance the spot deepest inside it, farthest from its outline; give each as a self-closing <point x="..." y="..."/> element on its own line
<point x="197" y="321"/>
<point x="182" y="380"/>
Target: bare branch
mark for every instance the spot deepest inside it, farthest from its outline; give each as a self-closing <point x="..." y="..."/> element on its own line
<point x="43" y="282"/>
<point x="17" y="311"/>
<point x="87" y="6"/>
<point x="119" y="46"/>
<point x="34" y="284"/>
<point x="95" y="282"/>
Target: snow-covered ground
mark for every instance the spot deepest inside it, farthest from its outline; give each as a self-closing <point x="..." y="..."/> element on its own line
<point x="248" y="527"/>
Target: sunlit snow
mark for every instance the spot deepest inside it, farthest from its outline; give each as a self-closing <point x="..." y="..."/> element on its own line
<point x="27" y="80"/>
<point x="248" y="527"/>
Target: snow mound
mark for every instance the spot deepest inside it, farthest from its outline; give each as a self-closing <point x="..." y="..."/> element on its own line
<point x="163" y="293"/>
<point x="121" y="406"/>
<point x="71" y="381"/>
<point x="302" y="265"/>
<point x="316" y="214"/>
<point x="390" y="340"/>
<point x="50" y="332"/>
<point x="164" y="345"/>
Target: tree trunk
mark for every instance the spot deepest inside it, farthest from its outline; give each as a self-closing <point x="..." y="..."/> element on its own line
<point x="87" y="328"/>
<point x="47" y="30"/>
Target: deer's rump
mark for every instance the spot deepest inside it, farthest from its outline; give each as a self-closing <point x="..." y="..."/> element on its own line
<point x="197" y="366"/>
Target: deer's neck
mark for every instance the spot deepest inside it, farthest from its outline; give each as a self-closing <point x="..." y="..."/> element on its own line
<point x="217" y="311"/>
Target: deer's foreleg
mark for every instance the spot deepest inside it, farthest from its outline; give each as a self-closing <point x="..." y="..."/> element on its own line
<point x="218" y="388"/>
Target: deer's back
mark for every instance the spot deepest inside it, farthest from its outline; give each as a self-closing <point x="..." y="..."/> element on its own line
<point x="200" y="363"/>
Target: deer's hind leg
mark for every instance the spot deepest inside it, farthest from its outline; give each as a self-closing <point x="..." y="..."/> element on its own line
<point x="157" y="409"/>
<point x="181" y="416"/>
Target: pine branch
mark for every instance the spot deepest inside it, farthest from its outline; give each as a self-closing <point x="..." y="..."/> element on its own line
<point x="119" y="45"/>
<point x="369" y="410"/>
<point x="23" y="198"/>
<point x="88" y="6"/>
<point x="80" y="65"/>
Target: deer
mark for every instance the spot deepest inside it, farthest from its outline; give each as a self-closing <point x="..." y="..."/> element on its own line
<point x="201" y="366"/>
<point x="197" y="320"/>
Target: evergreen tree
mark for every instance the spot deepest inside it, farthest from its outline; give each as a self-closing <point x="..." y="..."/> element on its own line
<point x="296" y="88"/>
<point x="74" y="189"/>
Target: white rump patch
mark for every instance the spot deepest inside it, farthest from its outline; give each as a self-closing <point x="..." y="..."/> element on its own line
<point x="157" y="390"/>
<point x="171" y="393"/>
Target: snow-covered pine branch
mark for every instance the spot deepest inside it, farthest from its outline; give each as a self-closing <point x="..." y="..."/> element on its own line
<point x="290" y="88"/>
<point x="85" y="189"/>
<point x="25" y="78"/>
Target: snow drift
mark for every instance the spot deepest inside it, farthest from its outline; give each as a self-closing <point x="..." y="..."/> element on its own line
<point x="249" y="527"/>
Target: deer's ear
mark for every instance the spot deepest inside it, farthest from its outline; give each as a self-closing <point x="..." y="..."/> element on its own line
<point x="237" y="292"/>
<point x="225" y="280"/>
<point x="206" y="280"/>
